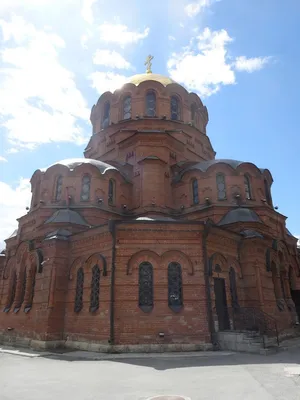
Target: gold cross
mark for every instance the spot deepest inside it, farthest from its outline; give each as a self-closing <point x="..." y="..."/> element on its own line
<point x="148" y="63"/>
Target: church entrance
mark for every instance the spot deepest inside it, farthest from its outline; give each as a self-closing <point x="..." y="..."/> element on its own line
<point x="296" y="299"/>
<point x="221" y="304"/>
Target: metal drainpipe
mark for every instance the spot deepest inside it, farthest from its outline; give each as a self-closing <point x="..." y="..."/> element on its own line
<point x="207" y="287"/>
<point x="112" y="285"/>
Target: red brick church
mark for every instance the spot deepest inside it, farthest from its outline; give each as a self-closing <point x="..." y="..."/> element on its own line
<point x="149" y="242"/>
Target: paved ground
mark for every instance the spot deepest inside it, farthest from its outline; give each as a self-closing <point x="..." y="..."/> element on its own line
<point x="207" y="376"/>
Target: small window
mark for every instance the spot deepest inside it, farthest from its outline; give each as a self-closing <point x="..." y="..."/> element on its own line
<point x="85" y="188"/>
<point x="267" y="192"/>
<point x="193" y="114"/>
<point x="221" y="188"/>
<point x="58" y="188"/>
<point x="106" y="115"/>
<point x="111" y="192"/>
<point x="175" y="286"/>
<point x="175" y="108"/>
<point x="79" y="291"/>
<point x="195" y="191"/>
<point x="146" y="286"/>
<point x="127" y="107"/>
<point x="247" y="187"/>
<point x="95" y="288"/>
<point x="150" y="104"/>
<point x="233" y="289"/>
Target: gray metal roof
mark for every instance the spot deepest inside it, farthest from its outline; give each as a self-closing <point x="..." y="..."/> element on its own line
<point x="239" y="215"/>
<point x="66" y="216"/>
<point x="204" y="165"/>
<point x="249" y="233"/>
<point x="60" y="234"/>
<point x="72" y="163"/>
<point x="155" y="218"/>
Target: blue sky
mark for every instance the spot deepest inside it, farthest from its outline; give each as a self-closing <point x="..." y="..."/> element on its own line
<point x="58" y="56"/>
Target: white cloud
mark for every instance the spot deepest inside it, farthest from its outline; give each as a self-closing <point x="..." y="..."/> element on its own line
<point x="193" y="9"/>
<point x="107" y="81"/>
<point x="110" y="59"/>
<point x="298" y="237"/>
<point x="39" y="100"/>
<point x="170" y="37"/>
<point x="243" y="63"/>
<point x="120" y="34"/>
<point x="87" y="11"/>
<point x="3" y="159"/>
<point x="13" y="203"/>
<point x="204" y="65"/>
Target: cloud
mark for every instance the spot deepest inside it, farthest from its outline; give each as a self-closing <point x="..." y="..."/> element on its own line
<point x="204" y="65"/>
<point x="298" y="237"/>
<point x="107" y="81"/>
<point x="120" y="34"/>
<point x="3" y="159"/>
<point x="87" y="11"/>
<point x="13" y="202"/>
<point x="193" y="9"/>
<point x="39" y="100"/>
<point x="110" y="59"/>
<point x="170" y="37"/>
<point x="243" y="63"/>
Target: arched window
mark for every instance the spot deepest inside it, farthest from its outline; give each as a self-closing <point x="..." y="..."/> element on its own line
<point x="267" y="192"/>
<point x="58" y="188"/>
<point x="95" y="287"/>
<point x="175" y="108"/>
<point x="79" y="291"/>
<point x="233" y="289"/>
<point x="195" y="191"/>
<point x="193" y="114"/>
<point x="175" y="286"/>
<point x="85" y="188"/>
<point x="150" y="104"/>
<point x="127" y="107"/>
<point x="111" y="192"/>
<point x="36" y="193"/>
<point x="146" y="286"/>
<point x="106" y="115"/>
<point x="247" y="187"/>
<point x="23" y="291"/>
<point x="221" y="188"/>
<point x="12" y="289"/>
<point x="28" y="305"/>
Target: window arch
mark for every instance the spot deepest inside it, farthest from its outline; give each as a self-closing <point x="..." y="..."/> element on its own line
<point x="146" y="286"/>
<point x="193" y="114"/>
<point x="150" y="104"/>
<point x="12" y="291"/>
<point x="95" y="288"/>
<point x="267" y="192"/>
<point x="195" y="191"/>
<point x="127" y="107"/>
<point x="175" y="108"/>
<point x="247" y="187"/>
<point x="111" y="192"/>
<point x="221" y="187"/>
<point x="58" y="188"/>
<point x="79" y="290"/>
<point x="233" y="289"/>
<point x="85" y="188"/>
<point x="106" y="115"/>
<point x="31" y="284"/>
<point x="21" y="297"/>
<point x="175" y="286"/>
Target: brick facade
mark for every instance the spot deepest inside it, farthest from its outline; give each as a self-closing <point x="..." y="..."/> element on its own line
<point x="149" y="190"/>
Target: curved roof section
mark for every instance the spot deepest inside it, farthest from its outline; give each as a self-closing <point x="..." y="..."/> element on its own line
<point x="72" y="163"/>
<point x="139" y="78"/>
<point x="156" y="218"/>
<point x="66" y="216"/>
<point x="239" y="215"/>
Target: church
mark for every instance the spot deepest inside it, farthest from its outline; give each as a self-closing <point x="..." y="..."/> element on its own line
<point x="148" y="242"/>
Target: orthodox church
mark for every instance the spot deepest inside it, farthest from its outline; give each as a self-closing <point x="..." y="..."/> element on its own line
<point x="149" y="242"/>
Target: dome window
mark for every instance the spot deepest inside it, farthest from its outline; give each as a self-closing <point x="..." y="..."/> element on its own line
<point x="193" y="114"/>
<point x="150" y="104"/>
<point x="195" y="191"/>
<point x="127" y="107"/>
<point x="267" y="192"/>
<point x="247" y="187"/>
<point x="85" y="188"/>
<point x="111" y="192"/>
<point x="58" y="188"/>
<point x="175" y="108"/>
<point x="106" y="115"/>
<point x="221" y="187"/>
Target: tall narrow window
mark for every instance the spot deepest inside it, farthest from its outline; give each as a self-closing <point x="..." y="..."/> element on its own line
<point x="233" y="289"/>
<point x="267" y="192"/>
<point x="247" y="187"/>
<point x="58" y="188"/>
<point x="193" y="113"/>
<point x="221" y="186"/>
<point x="85" y="188"/>
<point x="127" y="107"/>
<point x="95" y="287"/>
<point x="195" y="191"/>
<point x="12" y="294"/>
<point x="23" y="291"/>
<point x="111" y="192"/>
<point x="79" y="291"/>
<point x="36" y="194"/>
<point x="175" y="286"/>
<point x="150" y="104"/>
<point x="28" y="306"/>
<point x="106" y="115"/>
<point x="175" y="108"/>
<point x="146" y="286"/>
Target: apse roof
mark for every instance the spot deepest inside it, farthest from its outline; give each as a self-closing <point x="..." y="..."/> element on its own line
<point x="249" y="233"/>
<point x="66" y="216"/>
<point x="239" y="215"/>
<point x="72" y="163"/>
<point x="155" y="218"/>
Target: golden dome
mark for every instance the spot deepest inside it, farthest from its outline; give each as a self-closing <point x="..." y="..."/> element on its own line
<point x="139" y="78"/>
